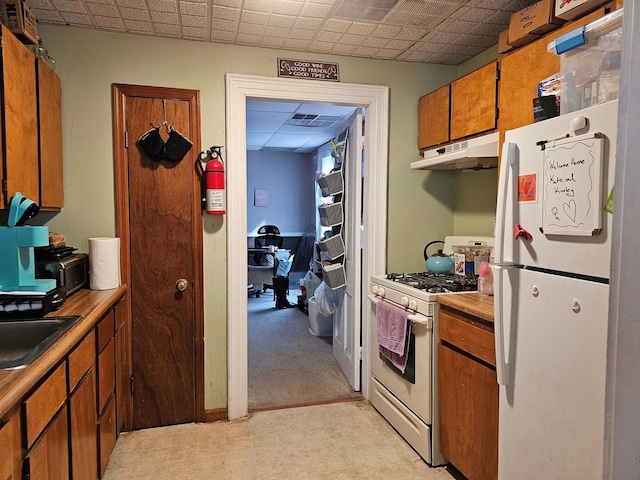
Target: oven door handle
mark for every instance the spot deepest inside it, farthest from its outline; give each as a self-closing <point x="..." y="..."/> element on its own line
<point x="415" y="319"/>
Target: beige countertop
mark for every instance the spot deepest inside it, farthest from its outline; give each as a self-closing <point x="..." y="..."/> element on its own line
<point x="15" y="384"/>
<point x="480" y="306"/>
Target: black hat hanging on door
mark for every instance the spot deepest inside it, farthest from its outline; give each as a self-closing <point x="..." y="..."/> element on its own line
<point x="174" y="149"/>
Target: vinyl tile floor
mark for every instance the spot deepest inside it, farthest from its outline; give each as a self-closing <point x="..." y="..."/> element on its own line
<point x="347" y="441"/>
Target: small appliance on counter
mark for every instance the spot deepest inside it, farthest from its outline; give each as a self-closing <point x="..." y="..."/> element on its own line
<point x="70" y="271"/>
<point x="17" y="241"/>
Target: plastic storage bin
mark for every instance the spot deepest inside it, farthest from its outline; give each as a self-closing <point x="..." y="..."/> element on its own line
<point x="590" y="63"/>
<point x="319" y="325"/>
<point x="331" y="184"/>
<point x="330" y="214"/>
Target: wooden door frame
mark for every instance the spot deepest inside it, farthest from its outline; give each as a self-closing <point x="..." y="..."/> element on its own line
<point x="120" y="92"/>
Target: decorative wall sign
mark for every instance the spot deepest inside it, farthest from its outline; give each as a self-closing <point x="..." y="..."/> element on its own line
<point x="260" y="197"/>
<point x="308" y="70"/>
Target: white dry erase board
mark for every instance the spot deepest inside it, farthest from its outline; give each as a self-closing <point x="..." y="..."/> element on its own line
<point x="572" y="186"/>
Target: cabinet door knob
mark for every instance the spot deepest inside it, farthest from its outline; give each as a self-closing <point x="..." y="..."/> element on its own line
<point x="181" y="285"/>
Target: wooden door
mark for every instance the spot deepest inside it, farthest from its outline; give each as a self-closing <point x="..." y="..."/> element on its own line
<point x="163" y="238"/>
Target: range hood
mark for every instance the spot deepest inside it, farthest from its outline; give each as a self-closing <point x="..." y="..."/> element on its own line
<point x="473" y="154"/>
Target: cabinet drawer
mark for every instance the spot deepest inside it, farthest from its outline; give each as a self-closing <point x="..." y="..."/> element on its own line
<point x="106" y="329"/>
<point x="106" y="375"/>
<point x="107" y="434"/>
<point x="42" y="405"/>
<point x="81" y="360"/>
<point x="457" y="331"/>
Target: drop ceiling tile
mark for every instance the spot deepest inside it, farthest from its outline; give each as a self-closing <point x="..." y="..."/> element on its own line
<point x="194" y="21"/>
<point x="168" y="6"/>
<point x="271" y="106"/>
<point x="320" y="46"/>
<point x="164" y="17"/>
<point x="375" y="42"/>
<point x="339" y="26"/>
<point x="103" y="10"/>
<point x="288" y="141"/>
<point x="363" y="51"/>
<point x="43" y="4"/>
<point x="48" y="15"/>
<point x="76" y="18"/>
<point x="344" y="49"/>
<point x="225" y="13"/>
<point x="387" y="31"/>
<point x="259" y="5"/>
<point x="399" y="44"/>
<point x="282" y="20"/>
<point x="296" y="44"/>
<point x="257" y="139"/>
<point x="361" y="29"/>
<point x="110" y="23"/>
<point x="138" y="26"/>
<point x="349" y="39"/>
<point x="255" y="17"/>
<point x="247" y="39"/>
<point x="223" y="36"/>
<point x="287" y="7"/>
<point x="272" y="42"/>
<point x="223" y="25"/>
<point x="412" y="34"/>
<point x="195" y="33"/>
<point x="414" y="56"/>
<point x="315" y="10"/>
<point x="134" y="14"/>
<point x="140" y="4"/>
<point x="300" y="34"/>
<point x="500" y="18"/>
<point x="227" y="3"/>
<point x="171" y="30"/>
<point x="266" y="122"/>
<point x="70" y="6"/>
<point x="442" y="37"/>
<point x="387" y="53"/>
<point x="329" y="37"/>
<point x="269" y="30"/>
<point x="309" y="23"/>
<point x="195" y="9"/>
<point x="487" y="29"/>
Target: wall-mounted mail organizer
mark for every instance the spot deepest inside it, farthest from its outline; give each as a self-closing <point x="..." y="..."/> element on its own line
<point x="331" y="214"/>
<point x="333" y="246"/>
<point x="334" y="275"/>
<point x="331" y="183"/>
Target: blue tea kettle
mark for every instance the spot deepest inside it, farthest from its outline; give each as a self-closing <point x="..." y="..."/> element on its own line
<point x="438" y="262"/>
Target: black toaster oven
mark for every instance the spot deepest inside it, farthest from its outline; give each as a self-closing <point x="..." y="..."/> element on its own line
<point x="71" y="271"/>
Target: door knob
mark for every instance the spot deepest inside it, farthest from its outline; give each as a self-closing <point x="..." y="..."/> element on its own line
<point x="181" y="285"/>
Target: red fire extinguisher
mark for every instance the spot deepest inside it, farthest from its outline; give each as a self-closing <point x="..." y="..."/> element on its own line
<point x="213" y="173"/>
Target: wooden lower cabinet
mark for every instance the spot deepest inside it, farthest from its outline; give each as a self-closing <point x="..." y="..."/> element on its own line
<point x="83" y="430"/>
<point x="10" y="454"/>
<point x="48" y="459"/>
<point x="107" y="433"/>
<point x="468" y="401"/>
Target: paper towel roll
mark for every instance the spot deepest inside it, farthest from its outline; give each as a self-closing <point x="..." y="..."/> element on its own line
<point x="104" y="263"/>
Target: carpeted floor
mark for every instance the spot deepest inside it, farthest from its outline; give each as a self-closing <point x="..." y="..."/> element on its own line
<point x="287" y="364"/>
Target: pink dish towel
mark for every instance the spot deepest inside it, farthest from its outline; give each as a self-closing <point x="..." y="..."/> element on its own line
<point x="393" y="334"/>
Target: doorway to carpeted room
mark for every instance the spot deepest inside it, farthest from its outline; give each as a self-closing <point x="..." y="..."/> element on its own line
<point x="288" y="366"/>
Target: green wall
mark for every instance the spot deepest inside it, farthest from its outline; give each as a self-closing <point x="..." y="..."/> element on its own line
<point x="420" y="204"/>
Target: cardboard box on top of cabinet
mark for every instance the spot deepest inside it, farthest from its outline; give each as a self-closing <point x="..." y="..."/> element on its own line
<point x="19" y="18"/>
<point x="572" y="9"/>
<point x="531" y="22"/>
<point x="503" y="42"/>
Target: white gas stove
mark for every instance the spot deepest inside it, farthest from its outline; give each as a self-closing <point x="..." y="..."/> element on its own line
<point x="409" y="400"/>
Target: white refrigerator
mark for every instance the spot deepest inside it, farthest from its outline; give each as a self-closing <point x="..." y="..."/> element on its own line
<point x="552" y="262"/>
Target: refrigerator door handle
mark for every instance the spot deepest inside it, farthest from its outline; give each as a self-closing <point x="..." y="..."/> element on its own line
<point x="507" y="166"/>
<point x="502" y="326"/>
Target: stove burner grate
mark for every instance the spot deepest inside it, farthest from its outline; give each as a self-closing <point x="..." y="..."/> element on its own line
<point x="436" y="282"/>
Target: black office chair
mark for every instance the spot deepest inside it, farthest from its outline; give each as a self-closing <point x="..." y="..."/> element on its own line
<point x="268" y="235"/>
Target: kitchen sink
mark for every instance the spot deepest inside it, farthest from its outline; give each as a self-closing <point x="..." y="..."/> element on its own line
<point x="22" y="341"/>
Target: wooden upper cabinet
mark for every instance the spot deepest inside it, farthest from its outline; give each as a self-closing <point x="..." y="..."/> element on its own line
<point x="474" y="102"/>
<point x="19" y="119"/>
<point x="522" y="70"/>
<point x="50" y="137"/>
<point x="433" y="118"/>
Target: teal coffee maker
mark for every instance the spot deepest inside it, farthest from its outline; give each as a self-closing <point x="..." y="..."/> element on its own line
<point x="17" y="269"/>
